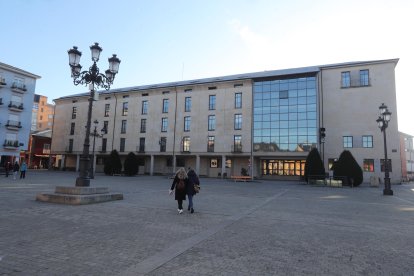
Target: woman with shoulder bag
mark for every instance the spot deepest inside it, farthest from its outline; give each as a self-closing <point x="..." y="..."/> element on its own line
<point x="193" y="188"/>
<point x="180" y="185"/>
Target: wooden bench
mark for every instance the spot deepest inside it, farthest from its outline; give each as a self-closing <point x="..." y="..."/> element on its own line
<point x="240" y="178"/>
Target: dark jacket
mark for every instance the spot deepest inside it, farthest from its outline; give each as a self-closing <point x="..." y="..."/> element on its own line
<point x="180" y="194"/>
<point x="193" y="180"/>
<point x="16" y="167"/>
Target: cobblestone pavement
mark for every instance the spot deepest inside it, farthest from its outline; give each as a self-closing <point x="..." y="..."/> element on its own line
<point x="252" y="228"/>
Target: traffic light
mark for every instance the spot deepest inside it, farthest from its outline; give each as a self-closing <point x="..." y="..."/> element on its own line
<point x="322" y="135"/>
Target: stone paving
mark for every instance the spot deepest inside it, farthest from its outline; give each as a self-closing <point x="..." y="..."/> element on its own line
<point x="252" y="228"/>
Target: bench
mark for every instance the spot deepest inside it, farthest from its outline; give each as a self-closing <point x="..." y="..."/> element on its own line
<point x="241" y="178"/>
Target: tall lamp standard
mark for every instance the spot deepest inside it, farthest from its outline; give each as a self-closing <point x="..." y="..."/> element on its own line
<point x="383" y="120"/>
<point x="95" y="80"/>
<point x="95" y="134"/>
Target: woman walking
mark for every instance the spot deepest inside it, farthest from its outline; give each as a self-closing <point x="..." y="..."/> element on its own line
<point x="180" y="184"/>
<point x="193" y="180"/>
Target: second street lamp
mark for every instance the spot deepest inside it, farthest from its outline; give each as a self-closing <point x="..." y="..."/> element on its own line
<point x="383" y="119"/>
<point x="94" y="79"/>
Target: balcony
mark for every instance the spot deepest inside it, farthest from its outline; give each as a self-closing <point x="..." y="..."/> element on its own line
<point x="13" y="125"/>
<point x="140" y="149"/>
<point x="355" y="82"/>
<point x="69" y="149"/>
<point x="16" y="106"/>
<point x="19" y="88"/>
<point x="101" y="149"/>
<point x="237" y="148"/>
<point x="11" y="144"/>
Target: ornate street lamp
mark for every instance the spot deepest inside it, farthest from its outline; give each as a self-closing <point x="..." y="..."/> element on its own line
<point x="94" y="79"/>
<point x="383" y="120"/>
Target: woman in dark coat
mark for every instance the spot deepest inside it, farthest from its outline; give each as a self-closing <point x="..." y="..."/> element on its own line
<point x="180" y="194"/>
<point x="193" y="180"/>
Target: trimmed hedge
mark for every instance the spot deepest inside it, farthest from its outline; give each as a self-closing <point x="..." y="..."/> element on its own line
<point x="314" y="165"/>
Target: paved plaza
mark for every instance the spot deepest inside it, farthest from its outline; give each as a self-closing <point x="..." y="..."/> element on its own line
<point x="242" y="228"/>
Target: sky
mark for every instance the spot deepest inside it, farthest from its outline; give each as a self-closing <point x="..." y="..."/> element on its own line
<point x="162" y="41"/>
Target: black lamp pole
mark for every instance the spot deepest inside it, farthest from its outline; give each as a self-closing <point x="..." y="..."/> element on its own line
<point x="94" y="79"/>
<point x="383" y="119"/>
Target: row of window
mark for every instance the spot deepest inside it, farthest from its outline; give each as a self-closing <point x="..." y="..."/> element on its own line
<point x="367" y="141"/>
<point x="165" y="105"/>
<point x="185" y="144"/>
<point x="351" y="79"/>
<point x="367" y="164"/>
<point x="238" y="121"/>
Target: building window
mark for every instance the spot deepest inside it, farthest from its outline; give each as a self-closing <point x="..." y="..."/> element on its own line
<point x="144" y="108"/>
<point x="367" y="141"/>
<point x="70" y="149"/>
<point x="72" y="128"/>
<point x="123" y="126"/>
<point x="347" y="141"/>
<point x="104" y="141"/>
<point x="187" y="123"/>
<point x="210" y="144"/>
<point x="346" y="79"/>
<point x="125" y="109"/>
<point x="141" y="144"/>
<point x="165" y="106"/>
<point x="105" y="127"/>
<point x="122" y="145"/>
<point x="389" y="165"/>
<point x="283" y="94"/>
<point x="212" y="102"/>
<point x="237" y="145"/>
<point x="143" y="126"/>
<point x="106" y="113"/>
<point x="238" y="100"/>
<point x="237" y="121"/>
<point x="368" y="165"/>
<point x="211" y="122"/>
<point x="164" y="124"/>
<point x="74" y="112"/>
<point x="187" y="104"/>
<point x="163" y="144"/>
<point x="364" y="77"/>
<point x="186" y="144"/>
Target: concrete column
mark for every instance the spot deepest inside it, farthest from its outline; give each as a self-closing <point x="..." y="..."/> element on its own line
<point x="152" y="165"/>
<point x="62" y="162"/>
<point x="223" y="165"/>
<point x="197" y="168"/>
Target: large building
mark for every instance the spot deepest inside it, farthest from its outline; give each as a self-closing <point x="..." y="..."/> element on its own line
<point x="42" y="113"/>
<point x="407" y="156"/>
<point x="264" y="122"/>
<point x="17" y="89"/>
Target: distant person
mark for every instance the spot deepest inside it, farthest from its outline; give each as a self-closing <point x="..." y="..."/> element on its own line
<point x="8" y="168"/>
<point x="180" y="184"/>
<point x="23" y="169"/>
<point x="16" y="169"/>
<point x="191" y="189"/>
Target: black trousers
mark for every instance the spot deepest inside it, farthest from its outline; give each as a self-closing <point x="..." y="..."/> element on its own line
<point x="180" y="203"/>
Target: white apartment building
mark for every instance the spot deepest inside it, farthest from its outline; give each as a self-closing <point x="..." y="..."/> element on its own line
<point x="17" y="89"/>
<point x="264" y="122"/>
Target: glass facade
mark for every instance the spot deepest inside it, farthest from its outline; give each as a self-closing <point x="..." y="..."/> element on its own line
<point x="285" y="115"/>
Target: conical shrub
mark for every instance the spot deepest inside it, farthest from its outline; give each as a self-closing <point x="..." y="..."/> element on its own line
<point x="348" y="170"/>
<point x="314" y="165"/>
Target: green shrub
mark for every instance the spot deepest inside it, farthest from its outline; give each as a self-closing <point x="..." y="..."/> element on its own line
<point x="348" y="170"/>
<point x="131" y="164"/>
<point x="314" y="165"/>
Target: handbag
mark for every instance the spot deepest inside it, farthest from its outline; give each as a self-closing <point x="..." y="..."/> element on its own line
<point x="196" y="188"/>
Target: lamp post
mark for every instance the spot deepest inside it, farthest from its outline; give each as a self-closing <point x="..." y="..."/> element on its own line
<point x="383" y="119"/>
<point x="94" y="79"/>
<point x="94" y="134"/>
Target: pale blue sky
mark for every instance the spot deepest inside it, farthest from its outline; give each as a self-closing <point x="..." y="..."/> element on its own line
<point x="163" y="41"/>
